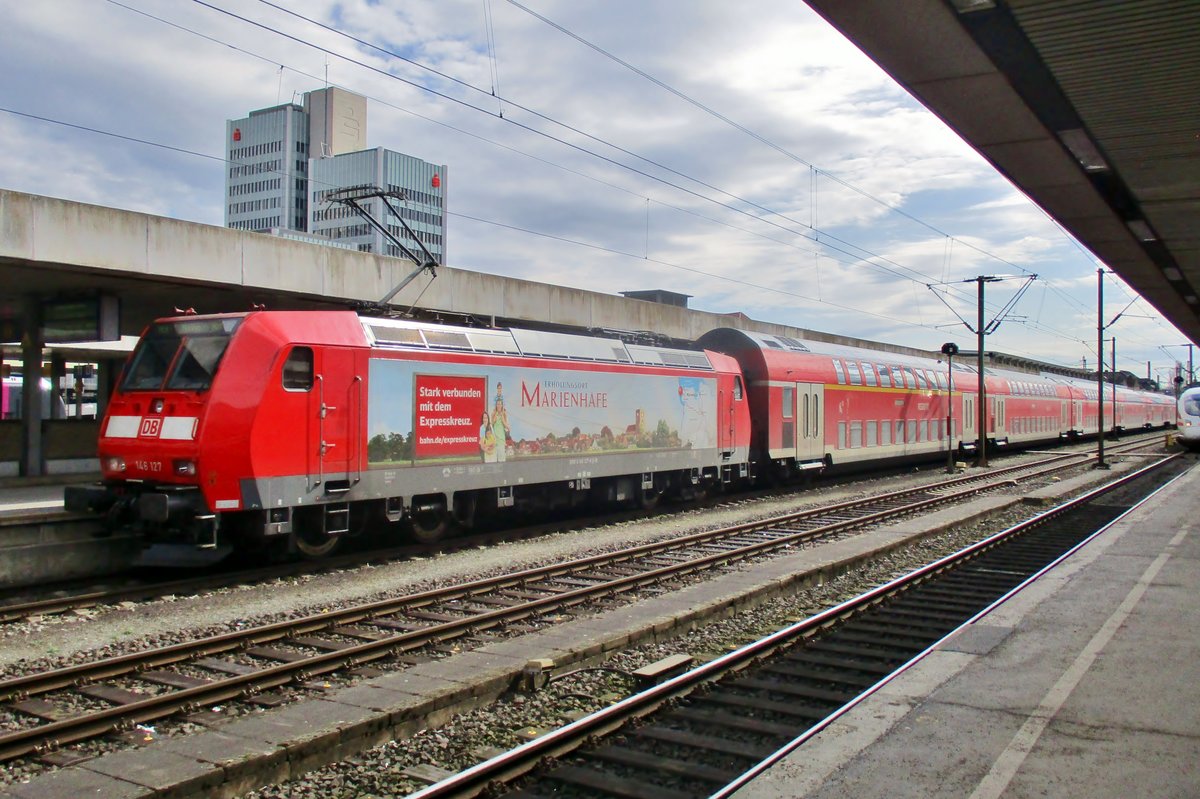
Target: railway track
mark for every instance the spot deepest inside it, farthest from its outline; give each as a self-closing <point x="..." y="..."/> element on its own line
<point x="708" y="732"/>
<point x="79" y="596"/>
<point x="139" y="688"/>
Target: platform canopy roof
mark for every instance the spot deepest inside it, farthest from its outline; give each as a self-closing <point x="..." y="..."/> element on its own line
<point x="1090" y="107"/>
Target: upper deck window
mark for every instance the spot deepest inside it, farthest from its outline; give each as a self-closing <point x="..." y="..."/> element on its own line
<point x="182" y="356"/>
<point x="837" y="367"/>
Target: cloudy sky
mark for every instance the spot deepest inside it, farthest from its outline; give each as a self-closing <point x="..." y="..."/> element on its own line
<point x="745" y="153"/>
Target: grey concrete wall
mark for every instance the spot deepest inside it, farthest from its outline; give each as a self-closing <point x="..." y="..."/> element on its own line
<point x="51" y="233"/>
<point x="51" y="548"/>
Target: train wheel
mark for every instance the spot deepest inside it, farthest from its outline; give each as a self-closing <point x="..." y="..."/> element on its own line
<point x="428" y="522"/>
<point x="309" y="537"/>
<point x="316" y="544"/>
<point x="648" y="498"/>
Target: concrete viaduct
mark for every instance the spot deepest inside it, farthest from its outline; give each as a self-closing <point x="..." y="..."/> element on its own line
<point x="54" y="250"/>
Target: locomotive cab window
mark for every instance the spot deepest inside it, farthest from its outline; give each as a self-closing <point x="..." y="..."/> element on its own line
<point x="737" y="387"/>
<point x="298" y="369"/>
<point x="179" y="355"/>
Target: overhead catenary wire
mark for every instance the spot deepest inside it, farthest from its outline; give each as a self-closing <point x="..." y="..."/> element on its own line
<point x="870" y="261"/>
<point x="855" y="257"/>
<point x="657" y="164"/>
<point x="494" y="223"/>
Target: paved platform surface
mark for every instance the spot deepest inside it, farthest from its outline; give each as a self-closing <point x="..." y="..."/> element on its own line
<point x="1086" y="684"/>
<point x="235" y="756"/>
<point x="34" y="496"/>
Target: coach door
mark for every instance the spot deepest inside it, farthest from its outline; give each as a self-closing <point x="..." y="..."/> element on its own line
<point x="810" y="421"/>
<point x="970" y="419"/>
<point x="336" y="405"/>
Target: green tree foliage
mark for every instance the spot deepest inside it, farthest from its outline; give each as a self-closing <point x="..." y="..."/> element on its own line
<point x="390" y="447"/>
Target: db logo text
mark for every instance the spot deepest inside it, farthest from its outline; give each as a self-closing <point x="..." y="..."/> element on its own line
<point x="150" y="428"/>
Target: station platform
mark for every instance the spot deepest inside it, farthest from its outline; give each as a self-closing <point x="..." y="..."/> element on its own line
<point x="33" y="498"/>
<point x="1084" y="684"/>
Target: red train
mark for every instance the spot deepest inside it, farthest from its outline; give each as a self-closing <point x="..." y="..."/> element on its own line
<point x="301" y="428"/>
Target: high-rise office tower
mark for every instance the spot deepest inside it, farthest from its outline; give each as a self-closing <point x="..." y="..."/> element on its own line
<point x="266" y="179"/>
<point x="422" y="184"/>
<point x="285" y="161"/>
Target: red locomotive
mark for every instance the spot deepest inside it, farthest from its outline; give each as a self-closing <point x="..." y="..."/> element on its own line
<point x="308" y="426"/>
<point x="303" y="427"/>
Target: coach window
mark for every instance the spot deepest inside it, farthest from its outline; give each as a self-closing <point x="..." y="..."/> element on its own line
<point x="855" y="375"/>
<point x="856" y="431"/>
<point x="841" y="374"/>
<point x="885" y="433"/>
<point x="298" y="369"/>
<point x="789" y="413"/>
<point x="885" y="376"/>
<point x="872" y="434"/>
<point x="869" y="374"/>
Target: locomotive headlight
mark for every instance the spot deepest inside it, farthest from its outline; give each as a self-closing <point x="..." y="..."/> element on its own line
<point x="185" y="468"/>
<point x="114" y="464"/>
<point x="156" y="406"/>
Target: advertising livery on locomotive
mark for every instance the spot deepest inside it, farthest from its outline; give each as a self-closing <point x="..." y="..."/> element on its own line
<point x="296" y="429"/>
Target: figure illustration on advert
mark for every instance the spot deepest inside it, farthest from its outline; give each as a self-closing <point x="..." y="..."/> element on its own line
<point x="487" y="439"/>
<point x="500" y="426"/>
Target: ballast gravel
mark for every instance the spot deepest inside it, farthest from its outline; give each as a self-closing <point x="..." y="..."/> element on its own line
<point x="473" y="737"/>
<point x="55" y="641"/>
<point x="37" y="645"/>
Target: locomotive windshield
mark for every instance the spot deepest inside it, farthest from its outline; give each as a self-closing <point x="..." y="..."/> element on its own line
<point x="182" y="356"/>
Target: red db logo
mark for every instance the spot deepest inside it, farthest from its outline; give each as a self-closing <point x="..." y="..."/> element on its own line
<point x="151" y="427"/>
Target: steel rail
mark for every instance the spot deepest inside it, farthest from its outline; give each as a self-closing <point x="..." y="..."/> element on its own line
<point x="57" y="733"/>
<point x="125" y="664"/>
<point x="510" y="765"/>
<point x="15" y="611"/>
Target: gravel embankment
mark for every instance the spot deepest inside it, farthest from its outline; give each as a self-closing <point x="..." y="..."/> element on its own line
<point x="39" y="644"/>
<point x="472" y="737"/>
<point x="85" y="635"/>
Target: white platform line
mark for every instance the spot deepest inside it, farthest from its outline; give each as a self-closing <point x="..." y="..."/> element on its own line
<point x="1010" y="760"/>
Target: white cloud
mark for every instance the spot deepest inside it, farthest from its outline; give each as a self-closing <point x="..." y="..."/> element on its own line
<point x="771" y="65"/>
